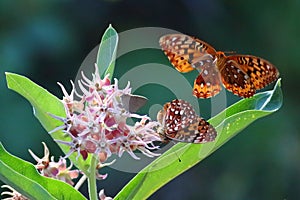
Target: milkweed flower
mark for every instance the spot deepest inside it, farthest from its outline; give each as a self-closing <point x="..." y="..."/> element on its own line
<point x="14" y="195"/>
<point x="102" y="196"/>
<point x="96" y="121"/>
<point x="57" y="170"/>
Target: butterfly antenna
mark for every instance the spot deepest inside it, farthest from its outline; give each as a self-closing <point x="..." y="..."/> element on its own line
<point x="166" y="141"/>
<point x="179" y="160"/>
<point x="229" y="52"/>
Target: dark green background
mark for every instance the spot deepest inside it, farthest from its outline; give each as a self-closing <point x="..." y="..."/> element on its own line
<point x="47" y="41"/>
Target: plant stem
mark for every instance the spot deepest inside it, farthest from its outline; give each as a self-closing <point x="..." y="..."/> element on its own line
<point x="92" y="180"/>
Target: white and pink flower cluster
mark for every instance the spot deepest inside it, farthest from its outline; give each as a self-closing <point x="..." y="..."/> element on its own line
<point x="56" y="170"/>
<point x="96" y="122"/>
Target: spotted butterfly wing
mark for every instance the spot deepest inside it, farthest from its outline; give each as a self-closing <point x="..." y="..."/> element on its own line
<point x="208" y="83"/>
<point x="240" y="74"/>
<point x="260" y="71"/>
<point x="186" y="54"/>
<point x="181" y="123"/>
<point x="236" y="81"/>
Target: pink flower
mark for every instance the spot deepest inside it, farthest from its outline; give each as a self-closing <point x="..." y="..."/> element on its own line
<point x="57" y="170"/>
<point x="102" y="196"/>
<point x="14" y="195"/>
<point x="96" y="122"/>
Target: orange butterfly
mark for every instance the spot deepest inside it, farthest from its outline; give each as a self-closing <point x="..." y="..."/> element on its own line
<point x="240" y="74"/>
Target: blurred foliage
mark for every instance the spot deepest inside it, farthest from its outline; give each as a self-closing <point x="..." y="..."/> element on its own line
<point x="48" y="40"/>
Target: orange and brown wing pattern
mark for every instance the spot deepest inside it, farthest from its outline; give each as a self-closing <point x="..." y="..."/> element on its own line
<point x="207" y="84"/>
<point x="186" y="53"/>
<point x="206" y="132"/>
<point x="236" y="80"/>
<point x="260" y="71"/>
<point x="240" y="74"/>
<point x="181" y="123"/>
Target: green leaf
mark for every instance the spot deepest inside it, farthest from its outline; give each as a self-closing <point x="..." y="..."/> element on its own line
<point x="43" y="103"/>
<point x="228" y="123"/>
<point x="107" y="52"/>
<point x="23" y="177"/>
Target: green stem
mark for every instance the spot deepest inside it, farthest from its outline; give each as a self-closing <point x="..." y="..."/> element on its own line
<point x="92" y="180"/>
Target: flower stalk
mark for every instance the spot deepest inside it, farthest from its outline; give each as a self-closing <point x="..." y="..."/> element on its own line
<point x="92" y="184"/>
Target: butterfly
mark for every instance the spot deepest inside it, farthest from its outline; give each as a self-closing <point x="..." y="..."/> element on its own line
<point x="240" y="74"/>
<point x="179" y="122"/>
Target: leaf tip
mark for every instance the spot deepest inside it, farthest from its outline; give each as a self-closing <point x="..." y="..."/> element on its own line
<point x="278" y="83"/>
<point x="7" y="74"/>
<point x="111" y="27"/>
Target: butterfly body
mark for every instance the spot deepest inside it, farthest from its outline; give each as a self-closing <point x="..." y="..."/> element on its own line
<point x="179" y="122"/>
<point x="240" y="74"/>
